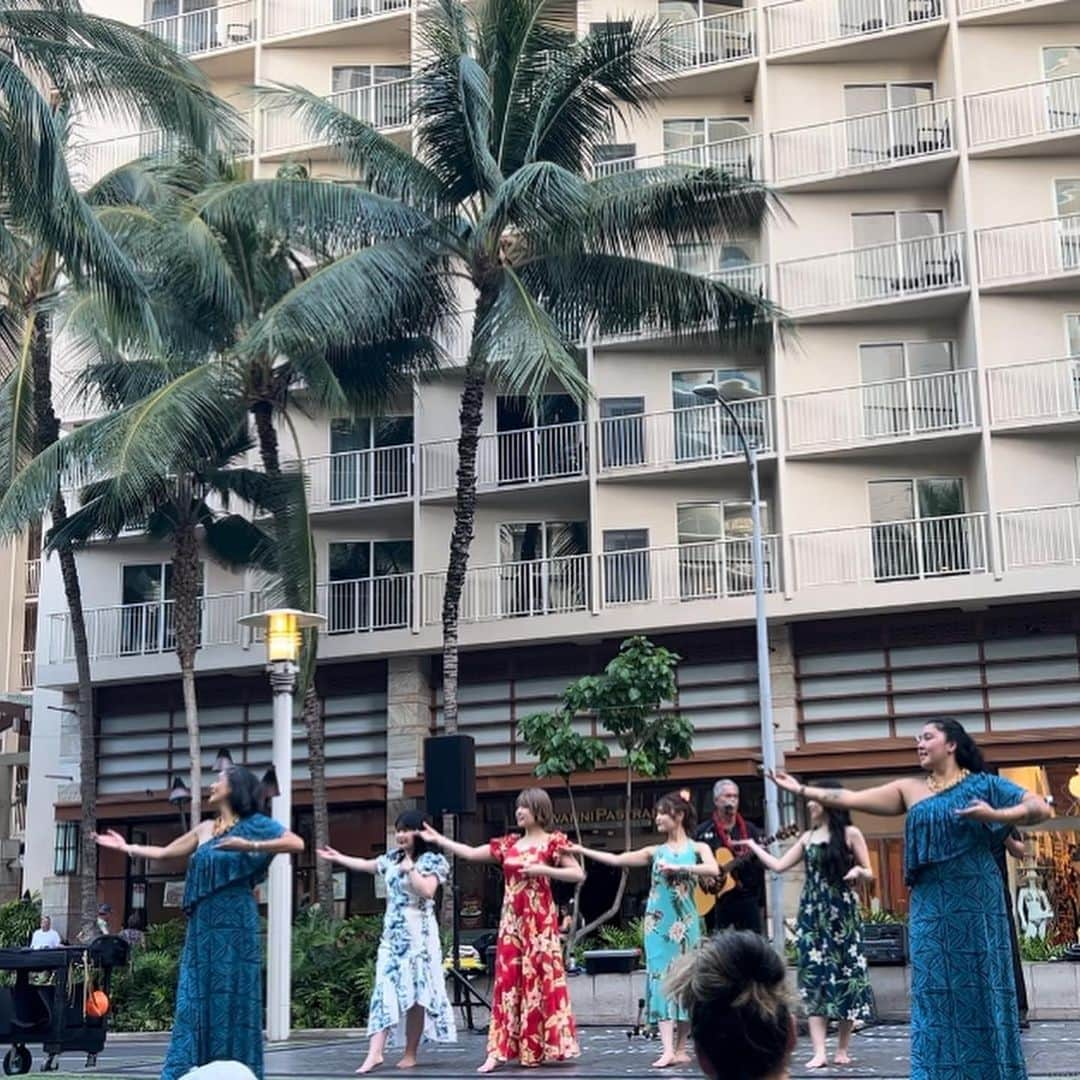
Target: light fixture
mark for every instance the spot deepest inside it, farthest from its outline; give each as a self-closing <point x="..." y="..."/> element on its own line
<point x="223" y="760"/>
<point x="180" y="791"/>
<point x="282" y="627"/>
<point x="271" y="788"/>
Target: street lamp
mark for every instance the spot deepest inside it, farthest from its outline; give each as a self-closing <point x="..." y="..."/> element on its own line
<point x="728" y="391"/>
<point x="282" y="627"/>
<point x="179" y="795"/>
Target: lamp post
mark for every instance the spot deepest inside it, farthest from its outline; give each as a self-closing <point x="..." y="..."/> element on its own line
<point x="179" y="795"/>
<point x="282" y="628"/>
<point x="733" y="390"/>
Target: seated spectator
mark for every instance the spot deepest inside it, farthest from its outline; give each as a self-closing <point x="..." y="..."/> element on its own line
<point x="133" y="933"/>
<point x="46" y="937"/>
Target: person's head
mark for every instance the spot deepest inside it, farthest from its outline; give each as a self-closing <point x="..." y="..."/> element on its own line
<point x="134" y="921"/>
<point x="725" y="797"/>
<point x="220" y="1070"/>
<point x="408" y="826"/>
<point x="238" y="790"/>
<point x="104" y="911"/>
<point x="674" y="810"/>
<point x="740" y="1014"/>
<point x="533" y="809"/>
<point x="838" y="859"/>
<point x="944" y="741"/>
<point x="46" y="922"/>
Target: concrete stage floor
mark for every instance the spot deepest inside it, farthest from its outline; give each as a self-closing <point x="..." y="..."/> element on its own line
<point x="1052" y="1049"/>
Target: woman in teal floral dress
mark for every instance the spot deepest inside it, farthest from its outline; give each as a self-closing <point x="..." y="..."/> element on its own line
<point x="834" y="982"/>
<point x="672" y="922"/>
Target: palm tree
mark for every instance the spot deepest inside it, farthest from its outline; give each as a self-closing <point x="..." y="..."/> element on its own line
<point x="56" y="63"/>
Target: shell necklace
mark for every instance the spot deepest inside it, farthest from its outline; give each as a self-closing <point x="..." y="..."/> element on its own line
<point x="222" y="825"/>
<point x="937" y="786"/>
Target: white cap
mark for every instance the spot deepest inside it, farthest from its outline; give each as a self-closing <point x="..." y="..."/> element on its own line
<point x="221" y="1070"/>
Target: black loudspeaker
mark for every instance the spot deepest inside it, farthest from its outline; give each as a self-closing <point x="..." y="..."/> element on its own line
<point x="450" y="774"/>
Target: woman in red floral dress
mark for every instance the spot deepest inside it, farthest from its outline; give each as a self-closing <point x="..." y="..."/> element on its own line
<point x="531" y="1021"/>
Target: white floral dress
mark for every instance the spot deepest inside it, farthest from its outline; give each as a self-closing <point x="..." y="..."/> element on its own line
<point x="672" y="929"/>
<point x="409" y="970"/>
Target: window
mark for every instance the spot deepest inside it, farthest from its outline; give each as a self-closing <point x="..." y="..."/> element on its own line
<point x="685" y="45"/>
<point x="904" y="252"/>
<point x="713" y="142"/>
<point x="146" y="617"/>
<point x="356" y="475"/>
<point x="622" y="432"/>
<point x="906" y="389"/>
<point x="369" y="585"/>
<point x="704" y="432"/>
<point x="626" y="566"/>
<point x="1061" y="67"/>
<point x="715" y="552"/>
<point x="538" y="444"/>
<point x="373" y="92"/>
<point x="1067" y="199"/>
<point x="611" y="158"/>
<point x="892" y="121"/>
<point x="185" y="35"/>
<point x="723" y="258"/>
<point x="539" y="568"/>
<point x="1072" y="333"/>
<point x="66" y="848"/>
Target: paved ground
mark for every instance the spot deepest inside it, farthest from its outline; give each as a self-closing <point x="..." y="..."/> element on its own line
<point x="1052" y="1049"/>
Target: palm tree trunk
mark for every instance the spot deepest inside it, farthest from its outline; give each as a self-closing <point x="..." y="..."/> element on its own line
<point x="46" y="433"/>
<point x="627" y="836"/>
<point x="320" y="815"/>
<point x="185" y="610"/>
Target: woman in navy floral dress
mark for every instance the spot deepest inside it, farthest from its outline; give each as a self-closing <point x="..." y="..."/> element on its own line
<point x="409" y="998"/>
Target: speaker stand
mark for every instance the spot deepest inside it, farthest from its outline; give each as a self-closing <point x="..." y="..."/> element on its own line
<point x="466" y="996"/>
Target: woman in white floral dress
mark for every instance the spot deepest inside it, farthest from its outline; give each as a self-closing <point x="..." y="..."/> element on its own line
<point x="410" y="988"/>
<point x="672" y="922"/>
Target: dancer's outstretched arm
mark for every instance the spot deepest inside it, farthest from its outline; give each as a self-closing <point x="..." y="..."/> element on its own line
<point x="480" y="853"/>
<point x="350" y="862"/>
<point x="641" y="857"/>
<point x="177" y="849"/>
<point x="766" y="858"/>
<point x="885" y="799"/>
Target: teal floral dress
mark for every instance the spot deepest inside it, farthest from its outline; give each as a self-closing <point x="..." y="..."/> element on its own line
<point x="833" y="977"/>
<point x="672" y="929"/>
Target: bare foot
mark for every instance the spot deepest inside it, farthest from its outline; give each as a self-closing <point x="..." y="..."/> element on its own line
<point x="818" y="1061"/>
<point x="491" y="1063"/>
<point x="408" y="1061"/>
<point x="370" y="1062"/>
<point x="664" y="1060"/>
<point x="683" y="1058"/>
<point x="842" y="1058"/>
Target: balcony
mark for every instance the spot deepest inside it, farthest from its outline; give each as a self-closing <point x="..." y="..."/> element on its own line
<point x="366" y="604"/>
<point x="739" y="157"/>
<point x="869" y="151"/>
<point x="224" y="28"/>
<point x="854" y="30"/>
<point x="1040" y="393"/>
<point x="32" y="579"/>
<point x="337" y="22"/>
<point x="386" y="106"/>
<point x="1035" y="118"/>
<point x="26" y="670"/>
<point x="359" y="477"/>
<point x="890" y="551"/>
<point x="870" y="281"/>
<point x="1040" y="537"/>
<point x="1034" y="256"/>
<point x="714" y="55"/>
<point x="509" y="459"/>
<point x="881" y="414"/>
<point x="1017" y="11"/>
<point x="683" y="438"/>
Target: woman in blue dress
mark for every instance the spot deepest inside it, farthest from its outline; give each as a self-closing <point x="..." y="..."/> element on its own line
<point x="221" y="965"/>
<point x="672" y="922"/>
<point x="409" y="999"/>
<point x="964" y="1022"/>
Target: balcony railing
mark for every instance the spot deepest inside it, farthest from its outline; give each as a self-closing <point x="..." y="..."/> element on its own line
<point x="385" y="106"/>
<point x="26" y="669"/>
<point x="867" y="275"/>
<point x="32" y="582"/>
<point x="876" y="412"/>
<point x="359" y="477"/>
<point x="1040" y="536"/>
<point x="1034" y="393"/>
<point x="1016" y="113"/>
<point x="978" y="7"/>
<point x="738" y="157"/>
<point x="701" y="43"/>
<point x="508" y="459"/>
<point x="514" y="590"/>
<point x="208" y="30"/>
<point x="799" y="24"/>
<point x="294" y="16"/>
<point x="1029" y="251"/>
<point x="366" y="604"/>
<point x="862" y="143"/>
<point x="890" y="551"/>
<point x="693" y="436"/>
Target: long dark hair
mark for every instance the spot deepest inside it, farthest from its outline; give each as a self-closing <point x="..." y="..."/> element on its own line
<point x="246" y="794"/>
<point x="968" y="755"/>
<point x="838" y="859"/>
<point x="414" y="820"/>
<point x="677" y="803"/>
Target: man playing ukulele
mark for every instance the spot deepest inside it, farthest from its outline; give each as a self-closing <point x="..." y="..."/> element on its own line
<point x="740" y="907"/>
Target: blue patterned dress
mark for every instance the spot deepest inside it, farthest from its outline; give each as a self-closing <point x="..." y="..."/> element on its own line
<point x="408" y="969"/>
<point x="964" y="1023"/>
<point x="672" y="929"/>
<point x="219" y="997"/>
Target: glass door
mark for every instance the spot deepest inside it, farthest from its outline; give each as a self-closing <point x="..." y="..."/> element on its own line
<point x="1061" y="69"/>
<point x="918" y="528"/>
<point x="368" y="586"/>
<point x="1067" y="197"/>
<point x="541" y="444"/>
<point x="539" y="571"/>
<point x="626" y="566"/>
<point x="622" y="432"/>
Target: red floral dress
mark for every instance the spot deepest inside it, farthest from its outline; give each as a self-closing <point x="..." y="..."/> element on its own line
<point x="530" y="1007"/>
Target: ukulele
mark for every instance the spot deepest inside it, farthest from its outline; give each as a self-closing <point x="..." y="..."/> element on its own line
<point x="710" y="889"/>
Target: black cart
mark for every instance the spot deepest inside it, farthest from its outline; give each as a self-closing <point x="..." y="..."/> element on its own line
<point x="31" y="1013"/>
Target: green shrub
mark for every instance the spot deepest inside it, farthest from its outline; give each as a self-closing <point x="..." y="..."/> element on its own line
<point x="18" y="920"/>
<point x="144" y="992"/>
<point x="1034" y="950"/>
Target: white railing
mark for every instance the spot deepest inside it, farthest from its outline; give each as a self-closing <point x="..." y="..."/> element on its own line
<point x="717" y="39"/>
<point x="1040" y="536"/>
<point x="977" y="7"/>
<point x="694" y="436"/>
<point x="798" y="24"/>
<point x="870" y="274"/>
<point x="514" y="590"/>
<point x="871" y="412"/>
<point x="293" y="16"/>
<point x="93" y="160"/>
<point x="870" y="141"/>
<point x="711" y="570"/>
<point x="358" y="477"/>
<point x="385" y="106"/>
<point x="890" y="551"/>
<point x="1029" y="251"/>
<point x="26" y="669"/>
<point x="366" y="604"/>
<point x="1035" y="392"/>
<point x="146" y="629"/>
<point x="738" y="157"/>
<point x="508" y="459"/>
<point x="210" y="29"/>
<point x="32" y="580"/>
<point x="1023" y="112"/>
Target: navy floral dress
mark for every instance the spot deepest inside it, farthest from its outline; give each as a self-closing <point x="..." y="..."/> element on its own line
<point x="833" y="977"/>
<point x="964" y="1020"/>
<point x="219" y="996"/>
<point x="408" y="969"/>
